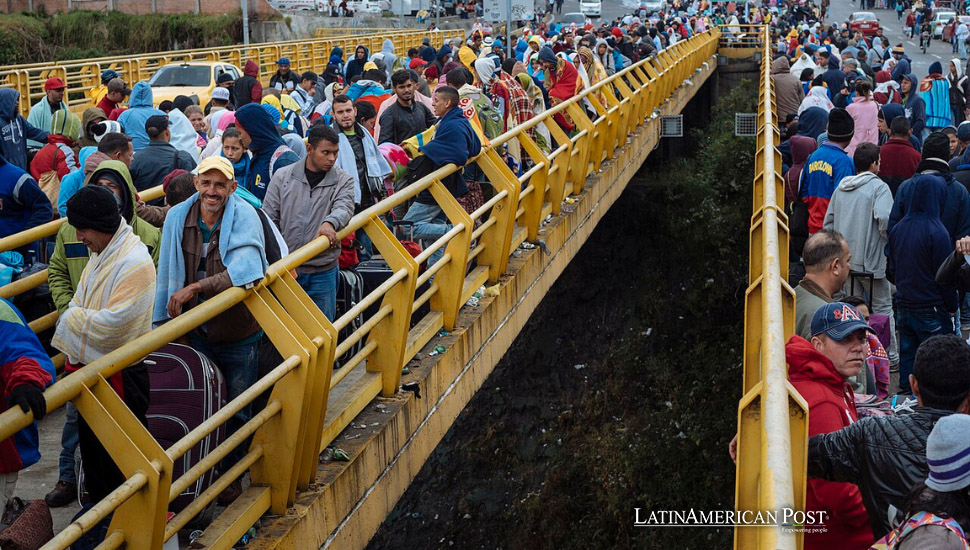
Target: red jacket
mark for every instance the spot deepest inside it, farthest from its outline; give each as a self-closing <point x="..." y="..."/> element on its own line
<point x="56" y="155"/>
<point x="831" y="407"/>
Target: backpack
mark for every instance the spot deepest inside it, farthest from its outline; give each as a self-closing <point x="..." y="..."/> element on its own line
<point x="280" y="151"/>
<point x="488" y="115"/>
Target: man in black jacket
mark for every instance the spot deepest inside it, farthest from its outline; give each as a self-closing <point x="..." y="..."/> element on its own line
<point x="886" y="456"/>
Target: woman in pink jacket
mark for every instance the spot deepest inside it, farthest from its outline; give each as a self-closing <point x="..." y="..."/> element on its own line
<point x="865" y="114"/>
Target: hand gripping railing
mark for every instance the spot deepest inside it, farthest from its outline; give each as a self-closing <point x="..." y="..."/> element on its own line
<point x="772" y="416"/>
<point x="84" y="75"/>
<point x="299" y="420"/>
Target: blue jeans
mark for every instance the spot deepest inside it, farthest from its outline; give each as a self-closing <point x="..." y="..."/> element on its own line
<point x="322" y="288"/>
<point x="238" y="364"/>
<point x="430" y="224"/>
<point x="65" y="464"/>
<point x="915" y="327"/>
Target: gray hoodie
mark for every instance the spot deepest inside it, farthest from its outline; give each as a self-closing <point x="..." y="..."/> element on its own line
<point x="859" y="210"/>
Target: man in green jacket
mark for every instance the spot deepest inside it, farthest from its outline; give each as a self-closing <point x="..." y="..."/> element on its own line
<point x="66" y="264"/>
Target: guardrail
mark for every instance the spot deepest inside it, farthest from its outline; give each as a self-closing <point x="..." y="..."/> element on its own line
<point x="772" y="416"/>
<point x="299" y="421"/>
<point x="327" y="32"/>
<point x="84" y="75"/>
<point x="747" y="38"/>
<point x="407" y="40"/>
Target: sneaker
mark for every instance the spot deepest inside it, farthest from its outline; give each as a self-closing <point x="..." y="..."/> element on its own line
<point x="63" y="494"/>
<point x="230" y="493"/>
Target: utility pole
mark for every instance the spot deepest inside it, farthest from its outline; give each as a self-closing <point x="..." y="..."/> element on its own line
<point x="245" y="18"/>
<point x="508" y="27"/>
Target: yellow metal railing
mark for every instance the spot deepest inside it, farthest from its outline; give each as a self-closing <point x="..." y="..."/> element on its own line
<point x="741" y="37"/>
<point x="772" y="416"/>
<point x="329" y="32"/>
<point x="304" y="55"/>
<point x="296" y="424"/>
<point x="403" y="39"/>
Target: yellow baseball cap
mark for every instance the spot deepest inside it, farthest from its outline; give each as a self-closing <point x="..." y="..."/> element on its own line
<point x="370" y="65"/>
<point x="219" y="163"/>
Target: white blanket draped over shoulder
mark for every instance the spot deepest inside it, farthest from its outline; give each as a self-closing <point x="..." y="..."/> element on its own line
<point x="113" y="302"/>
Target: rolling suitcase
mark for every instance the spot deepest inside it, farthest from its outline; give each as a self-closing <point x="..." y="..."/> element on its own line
<point x="350" y="291"/>
<point x="186" y="389"/>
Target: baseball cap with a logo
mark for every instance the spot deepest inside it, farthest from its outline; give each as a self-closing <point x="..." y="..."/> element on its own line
<point x="838" y="321"/>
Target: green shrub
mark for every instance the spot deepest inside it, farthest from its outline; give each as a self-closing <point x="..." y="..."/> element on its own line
<point x="26" y="38"/>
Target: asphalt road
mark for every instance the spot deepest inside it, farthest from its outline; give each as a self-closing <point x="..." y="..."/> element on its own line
<point x="938" y="50"/>
<point x="612" y="9"/>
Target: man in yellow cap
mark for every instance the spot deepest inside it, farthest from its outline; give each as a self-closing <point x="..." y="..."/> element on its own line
<point x="213" y="241"/>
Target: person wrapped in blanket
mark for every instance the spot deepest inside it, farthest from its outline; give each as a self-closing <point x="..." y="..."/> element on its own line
<point x="111" y="307"/>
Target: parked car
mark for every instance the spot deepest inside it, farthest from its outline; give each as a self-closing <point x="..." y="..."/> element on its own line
<point x="655" y="6"/>
<point x="591" y="8"/>
<point x="950" y="27"/>
<point x="572" y="17"/>
<point x="865" y="22"/>
<point x="940" y="18"/>
<point x="189" y="78"/>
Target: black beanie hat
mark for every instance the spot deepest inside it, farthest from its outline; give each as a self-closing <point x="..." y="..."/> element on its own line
<point x="93" y="207"/>
<point x="936" y="146"/>
<point x="841" y="126"/>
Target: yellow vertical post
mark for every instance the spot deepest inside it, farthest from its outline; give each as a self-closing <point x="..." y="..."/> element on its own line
<point x="141" y="519"/>
<point x="280" y="435"/>
<point x="451" y="277"/>
<point x="498" y="238"/>
<point x="390" y="334"/>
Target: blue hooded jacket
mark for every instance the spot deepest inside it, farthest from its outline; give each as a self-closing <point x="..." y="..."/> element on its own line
<point x="15" y="130"/>
<point x="915" y="107"/>
<point x="834" y="78"/>
<point x="889" y="112"/>
<point x="520" y="47"/>
<point x="954" y="211"/>
<point x="918" y="246"/>
<point x="22" y="204"/>
<point x="354" y="66"/>
<point x="454" y="142"/>
<point x="73" y="181"/>
<point x="139" y="110"/>
<point x="901" y="69"/>
<point x="266" y="144"/>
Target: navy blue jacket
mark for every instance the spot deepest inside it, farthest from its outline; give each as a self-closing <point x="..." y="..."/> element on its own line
<point x="22" y="204"/>
<point x="267" y="146"/>
<point x="956" y="206"/>
<point x="918" y="246"/>
<point x="834" y="78"/>
<point x="15" y="130"/>
<point x="454" y="142"/>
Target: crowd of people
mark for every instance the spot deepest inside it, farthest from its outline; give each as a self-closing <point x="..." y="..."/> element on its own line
<point x="257" y="171"/>
<point x="876" y="169"/>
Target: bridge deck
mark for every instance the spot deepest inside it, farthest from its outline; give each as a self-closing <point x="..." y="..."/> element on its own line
<point x="311" y="405"/>
<point x="351" y="499"/>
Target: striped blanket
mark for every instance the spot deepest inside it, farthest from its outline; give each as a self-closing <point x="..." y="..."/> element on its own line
<point x="113" y="303"/>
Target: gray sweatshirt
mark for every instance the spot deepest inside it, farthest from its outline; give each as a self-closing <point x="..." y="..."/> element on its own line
<point x="859" y="210"/>
<point x="299" y="211"/>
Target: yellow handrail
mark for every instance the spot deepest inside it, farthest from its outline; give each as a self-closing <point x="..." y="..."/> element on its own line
<point x="304" y="55"/>
<point x="290" y="431"/>
<point x="772" y="416"/>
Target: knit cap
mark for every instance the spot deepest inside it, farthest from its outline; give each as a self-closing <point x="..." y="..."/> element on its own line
<point x="948" y="454"/>
<point x="94" y="207"/>
<point x="841" y="126"/>
<point x="936" y="146"/>
<point x="67" y="124"/>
